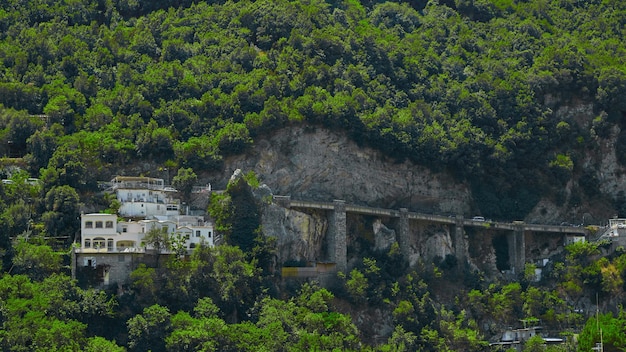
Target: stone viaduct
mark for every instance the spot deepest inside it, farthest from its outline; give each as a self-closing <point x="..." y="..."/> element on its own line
<point x="337" y="236"/>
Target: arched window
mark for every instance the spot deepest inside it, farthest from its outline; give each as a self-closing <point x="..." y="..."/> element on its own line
<point x="99" y="242"/>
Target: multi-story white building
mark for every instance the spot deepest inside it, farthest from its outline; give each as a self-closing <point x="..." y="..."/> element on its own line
<point x="102" y="233"/>
<point x="142" y="197"/>
<point x="110" y="248"/>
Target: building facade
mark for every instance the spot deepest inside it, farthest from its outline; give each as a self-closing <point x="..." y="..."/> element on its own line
<point x="141" y="197"/>
<point x="113" y="245"/>
<point x="103" y="233"/>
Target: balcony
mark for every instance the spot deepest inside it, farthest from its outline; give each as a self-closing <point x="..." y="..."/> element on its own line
<point x="110" y="250"/>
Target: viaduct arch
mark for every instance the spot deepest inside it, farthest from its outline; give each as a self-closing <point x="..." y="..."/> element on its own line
<point x="337" y="230"/>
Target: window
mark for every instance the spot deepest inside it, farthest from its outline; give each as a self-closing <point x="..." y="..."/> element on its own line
<point x="87" y="243"/>
<point x="197" y="233"/>
<point x="186" y="236"/>
<point x="209" y="234"/>
<point x="99" y="242"/>
<point x="88" y="224"/>
<point x="98" y="224"/>
<point x="89" y="261"/>
<point x="109" y="224"/>
<point x="124" y="229"/>
<point x="110" y="244"/>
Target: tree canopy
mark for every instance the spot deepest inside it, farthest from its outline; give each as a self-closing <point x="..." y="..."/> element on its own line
<point x="480" y="89"/>
<point x="472" y="88"/>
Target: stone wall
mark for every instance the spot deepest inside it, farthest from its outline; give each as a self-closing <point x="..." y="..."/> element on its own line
<point x="105" y="269"/>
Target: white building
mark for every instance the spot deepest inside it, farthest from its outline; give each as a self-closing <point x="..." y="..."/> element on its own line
<point x="102" y="233"/>
<point x="142" y="197"/>
<point x="110" y="249"/>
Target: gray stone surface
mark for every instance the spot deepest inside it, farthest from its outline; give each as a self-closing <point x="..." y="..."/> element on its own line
<point x="323" y="165"/>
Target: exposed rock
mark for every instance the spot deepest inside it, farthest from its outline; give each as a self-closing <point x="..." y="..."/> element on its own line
<point x="317" y="164"/>
<point x="435" y="243"/>
<point x="384" y="237"/>
<point x="263" y="192"/>
<point x="323" y="165"/>
<point x="300" y="236"/>
<point x="429" y="242"/>
<point x="237" y="174"/>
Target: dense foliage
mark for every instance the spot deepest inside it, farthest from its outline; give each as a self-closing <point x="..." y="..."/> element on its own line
<point x="216" y="300"/>
<point x="470" y="87"/>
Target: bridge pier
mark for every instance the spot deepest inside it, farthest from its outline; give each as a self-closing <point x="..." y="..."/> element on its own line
<point x="403" y="233"/>
<point x="337" y="244"/>
<point x="460" y="242"/>
<point x="517" y="250"/>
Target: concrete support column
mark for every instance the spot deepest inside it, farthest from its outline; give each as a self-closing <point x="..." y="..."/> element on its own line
<point x="73" y="264"/>
<point x="338" y="247"/>
<point x="517" y="250"/>
<point x="404" y="233"/>
<point x="459" y="241"/>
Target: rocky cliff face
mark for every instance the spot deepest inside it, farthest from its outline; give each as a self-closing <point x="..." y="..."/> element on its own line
<point x="322" y="165"/>
<point x="299" y="235"/>
<point x="312" y="163"/>
<point x="598" y="164"/>
<point x="317" y="164"/>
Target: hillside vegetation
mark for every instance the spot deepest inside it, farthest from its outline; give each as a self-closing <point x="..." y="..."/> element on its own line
<point x="467" y="87"/>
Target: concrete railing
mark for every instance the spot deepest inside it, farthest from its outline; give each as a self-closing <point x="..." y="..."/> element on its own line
<point x="286" y="201"/>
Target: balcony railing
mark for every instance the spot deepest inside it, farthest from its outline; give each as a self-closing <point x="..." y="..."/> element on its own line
<point x="111" y="250"/>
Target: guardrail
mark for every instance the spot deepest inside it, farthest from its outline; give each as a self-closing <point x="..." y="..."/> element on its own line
<point x="451" y="219"/>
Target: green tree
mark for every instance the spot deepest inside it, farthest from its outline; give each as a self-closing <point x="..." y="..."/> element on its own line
<point x="236" y="213"/>
<point x="158" y="238"/>
<point x="48" y="315"/>
<point x="154" y="141"/>
<point x="65" y="168"/>
<point x="184" y="182"/>
<point x="357" y="286"/>
<point x="100" y="344"/>
<point x="61" y="216"/>
<point x="400" y="341"/>
<point x="307" y="322"/>
<point x="237" y="278"/>
<point x="147" y="331"/>
<point x="37" y="261"/>
<point x="144" y="283"/>
<point x="610" y="327"/>
<point x="206" y="331"/>
<point x="41" y="146"/>
<point x="534" y="344"/>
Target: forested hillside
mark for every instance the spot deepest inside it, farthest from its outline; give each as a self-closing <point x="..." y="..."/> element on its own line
<point x="471" y="88"/>
<point x="467" y="87"/>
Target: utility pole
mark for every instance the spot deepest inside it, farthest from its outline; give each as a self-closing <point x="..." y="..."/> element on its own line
<point x="599" y="345"/>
